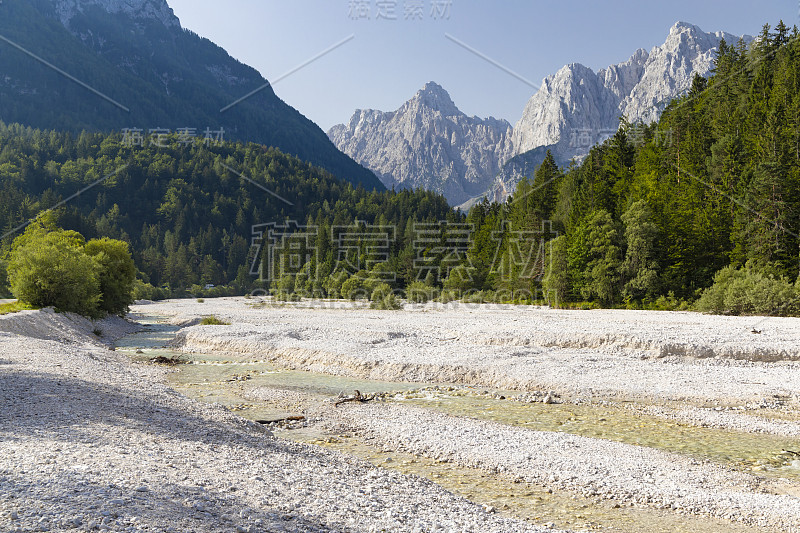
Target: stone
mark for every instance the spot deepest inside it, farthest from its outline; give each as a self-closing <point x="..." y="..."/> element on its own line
<point x="576" y="107"/>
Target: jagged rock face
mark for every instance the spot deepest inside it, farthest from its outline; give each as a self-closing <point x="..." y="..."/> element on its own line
<point x="144" y="9"/>
<point x="428" y="143"/>
<point x="576" y="107"/>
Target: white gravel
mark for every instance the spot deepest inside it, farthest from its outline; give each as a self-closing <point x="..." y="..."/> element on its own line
<point x="737" y="421"/>
<point x="90" y="441"/>
<point x="652" y="357"/>
<point x="673" y="356"/>
<point x="593" y="467"/>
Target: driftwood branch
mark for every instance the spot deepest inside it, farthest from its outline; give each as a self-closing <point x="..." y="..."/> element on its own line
<point x="295" y="418"/>
<point x="357" y="397"/>
<point x="169" y="361"/>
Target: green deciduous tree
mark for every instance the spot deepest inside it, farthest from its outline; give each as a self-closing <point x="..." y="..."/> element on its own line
<point x="116" y="273"/>
<point x="49" y="267"/>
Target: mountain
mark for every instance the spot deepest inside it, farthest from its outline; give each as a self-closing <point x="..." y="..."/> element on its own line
<point x="134" y="66"/>
<point x="576" y="107"/>
<point x="428" y="143"/>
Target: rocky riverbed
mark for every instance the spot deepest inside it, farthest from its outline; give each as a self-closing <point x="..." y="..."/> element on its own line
<point x="733" y="373"/>
<point x="91" y="441"/>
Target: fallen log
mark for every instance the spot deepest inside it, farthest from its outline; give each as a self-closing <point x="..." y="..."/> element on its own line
<point x="295" y="418"/>
<point x="357" y="397"/>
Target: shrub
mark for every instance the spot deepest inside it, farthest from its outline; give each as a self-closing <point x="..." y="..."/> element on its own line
<point x="116" y="274"/>
<point x="284" y="287"/>
<point x="479" y="297"/>
<point x="668" y="303"/>
<point x="213" y="321"/>
<point x="145" y="291"/>
<point x="355" y="288"/>
<point x="381" y="291"/>
<point x="389" y="302"/>
<point x="301" y="281"/>
<point x="750" y="290"/>
<point x="419" y="292"/>
<point x="48" y="267"/>
<point x="447" y="296"/>
<point x="333" y="284"/>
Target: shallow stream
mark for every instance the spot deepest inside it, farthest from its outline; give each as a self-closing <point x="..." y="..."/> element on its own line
<point x="221" y="379"/>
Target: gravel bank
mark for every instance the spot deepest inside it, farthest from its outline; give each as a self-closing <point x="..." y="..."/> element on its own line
<point x="711" y="418"/>
<point x="674" y="356"/>
<point x="592" y="467"/>
<point x="89" y="441"/>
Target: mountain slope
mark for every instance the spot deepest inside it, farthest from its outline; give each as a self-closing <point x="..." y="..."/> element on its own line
<point x="576" y="107"/>
<point x="189" y="220"/>
<point x="428" y="143"/>
<point x="135" y="53"/>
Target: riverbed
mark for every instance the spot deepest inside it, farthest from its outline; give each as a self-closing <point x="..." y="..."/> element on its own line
<point x="656" y="458"/>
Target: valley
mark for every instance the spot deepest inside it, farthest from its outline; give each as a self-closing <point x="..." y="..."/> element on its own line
<point x="557" y="307"/>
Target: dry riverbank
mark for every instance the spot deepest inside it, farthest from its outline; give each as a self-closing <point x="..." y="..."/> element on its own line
<point x="90" y="441"/>
<point x="673" y="356"/>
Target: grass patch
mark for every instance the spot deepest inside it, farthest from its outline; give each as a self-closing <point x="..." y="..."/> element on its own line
<point x="213" y="321"/>
<point x="14" y="307"/>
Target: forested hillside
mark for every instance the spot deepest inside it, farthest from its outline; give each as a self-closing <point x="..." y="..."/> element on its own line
<point x="656" y="212"/>
<point x="184" y="208"/>
<point x="147" y="74"/>
<point x="661" y="209"/>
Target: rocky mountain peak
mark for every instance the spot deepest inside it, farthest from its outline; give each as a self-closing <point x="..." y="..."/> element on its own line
<point x="576" y="107"/>
<point x="683" y="27"/>
<point x="433" y="96"/>
<point x="140" y="9"/>
<point x="428" y="143"/>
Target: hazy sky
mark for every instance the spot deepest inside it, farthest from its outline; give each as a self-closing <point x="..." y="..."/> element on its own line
<point x="399" y="45"/>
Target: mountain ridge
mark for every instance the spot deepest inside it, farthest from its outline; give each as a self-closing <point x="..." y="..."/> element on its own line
<point x="136" y="54"/>
<point x="574" y="109"/>
<point x="576" y="99"/>
<point x="427" y="142"/>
